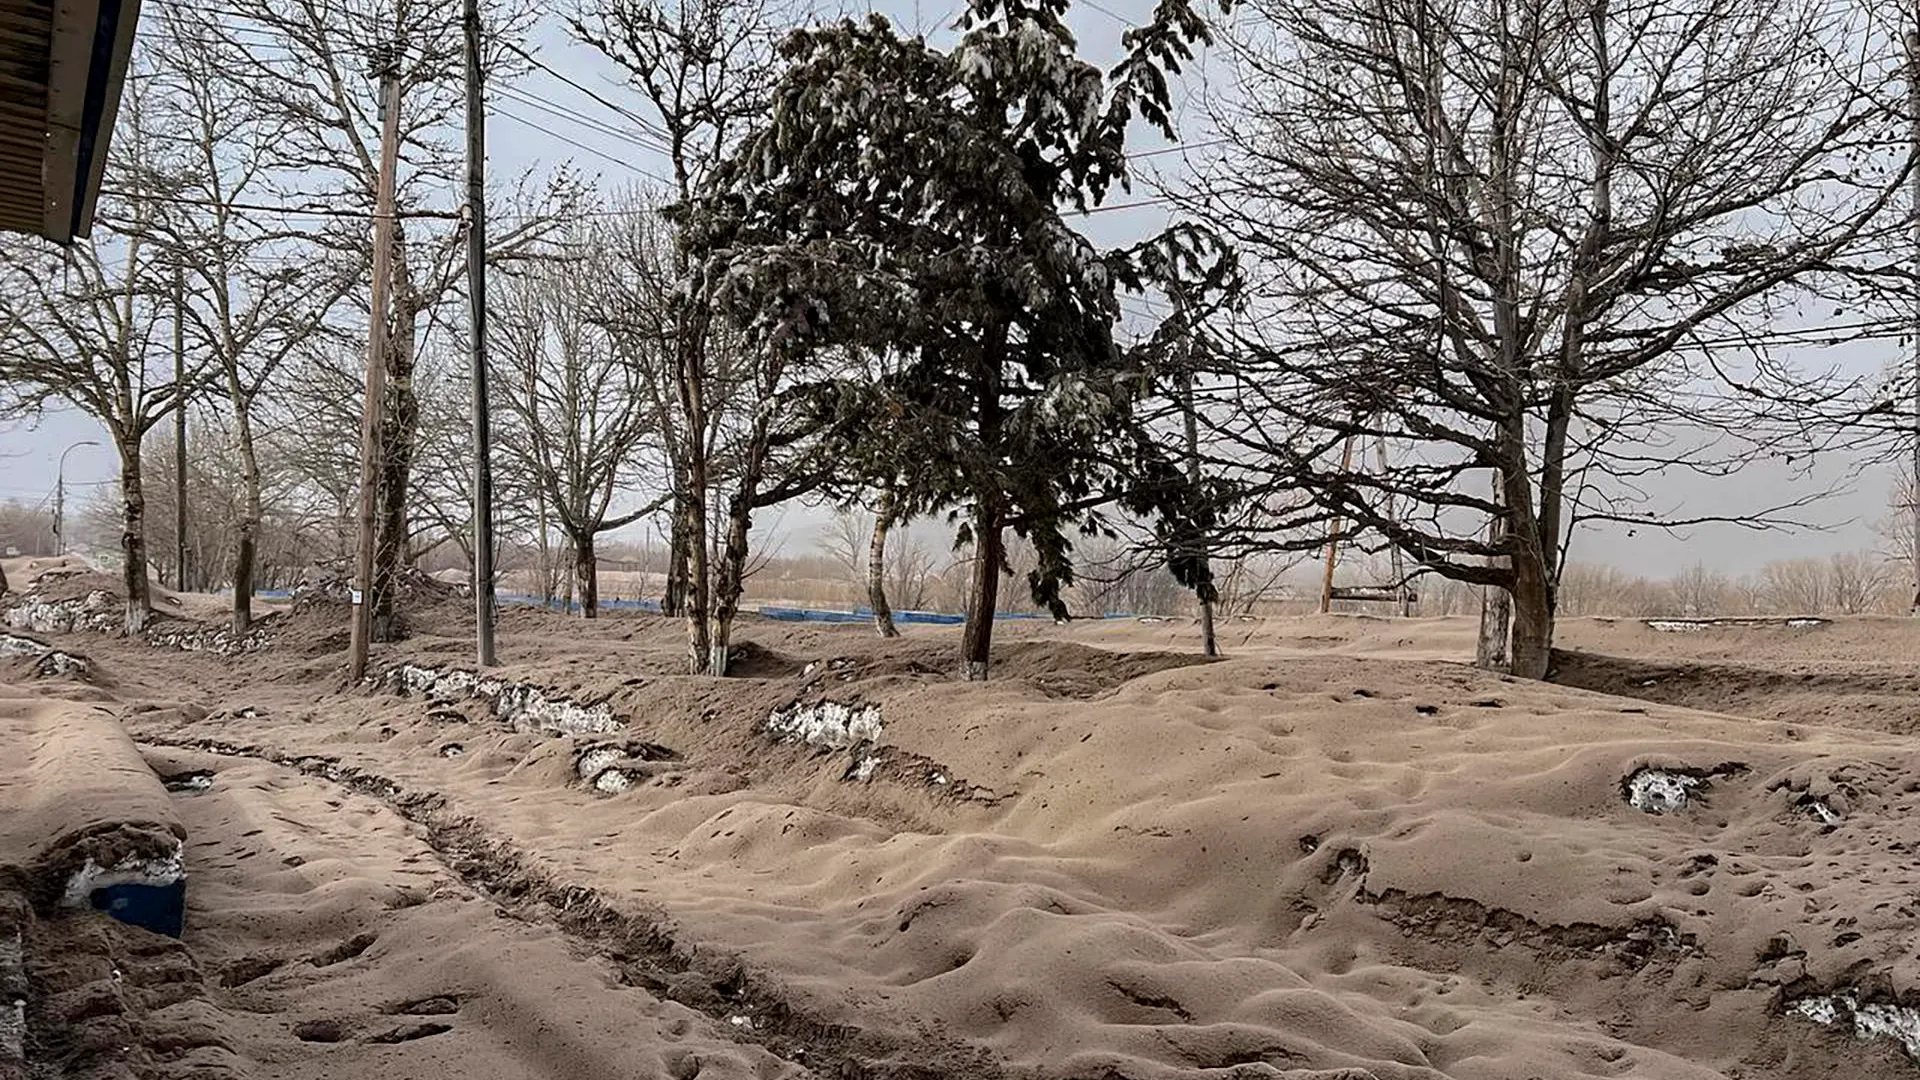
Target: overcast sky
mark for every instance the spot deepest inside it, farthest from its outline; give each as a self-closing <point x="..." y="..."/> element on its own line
<point x="523" y="136"/>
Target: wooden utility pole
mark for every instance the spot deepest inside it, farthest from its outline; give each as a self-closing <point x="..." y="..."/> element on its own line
<point x="179" y="431"/>
<point x="477" y="342"/>
<point x="1333" y="535"/>
<point x="1913" y="110"/>
<point x="370" y="449"/>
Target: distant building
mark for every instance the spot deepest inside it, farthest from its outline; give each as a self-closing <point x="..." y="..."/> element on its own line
<point x="62" y="66"/>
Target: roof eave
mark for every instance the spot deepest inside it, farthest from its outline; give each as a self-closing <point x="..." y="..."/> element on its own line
<point x="92" y="44"/>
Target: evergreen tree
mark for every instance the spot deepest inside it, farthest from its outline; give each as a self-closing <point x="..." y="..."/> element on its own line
<point x="903" y="198"/>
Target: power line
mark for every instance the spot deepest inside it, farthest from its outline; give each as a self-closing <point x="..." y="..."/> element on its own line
<point x="645" y="125"/>
<point x="602" y="155"/>
<point x="598" y="127"/>
<point x="1109" y="13"/>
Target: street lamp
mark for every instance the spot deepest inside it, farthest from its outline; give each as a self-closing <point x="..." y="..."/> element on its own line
<point x="60" y="498"/>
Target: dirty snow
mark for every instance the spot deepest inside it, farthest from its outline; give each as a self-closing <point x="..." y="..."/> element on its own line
<point x="136" y="871"/>
<point x="1660" y="791"/>
<point x="1870" y="1021"/>
<point x="832" y="724"/>
<point x="523" y="707"/>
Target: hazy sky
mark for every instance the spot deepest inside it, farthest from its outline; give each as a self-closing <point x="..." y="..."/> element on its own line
<point x="520" y="136"/>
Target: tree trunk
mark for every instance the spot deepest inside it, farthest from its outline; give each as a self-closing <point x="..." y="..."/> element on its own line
<point x="673" y="602"/>
<point x="729" y="581"/>
<point x="727" y="586"/>
<point x="1496" y="615"/>
<point x="133" y="537"/>
<point x="732" y="576"/>
<point x="396" y="452"/>
<point x="983" y="598"/>
<point x="877" y="569"/>
<point x="586" y="575"/>
<point x="249" y="524"/>
<point x="1532" y="616"/>
<point x="699" y="592"/>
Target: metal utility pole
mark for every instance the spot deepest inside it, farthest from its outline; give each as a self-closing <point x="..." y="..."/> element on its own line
<point x="370" y="449"/>
<point x="1913" y="111"/>
<point x="477" y="342"/>
<point x="60" y="497"/>
<point x="179" y="432"/>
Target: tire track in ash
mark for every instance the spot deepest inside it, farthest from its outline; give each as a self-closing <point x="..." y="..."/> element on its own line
<point x="336" y="943"/>
<point x="643" y="948"/>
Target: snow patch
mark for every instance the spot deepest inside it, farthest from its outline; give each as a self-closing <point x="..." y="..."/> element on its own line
<point x="189" y="783"/>
<point x="832" y="724"/>
<point x="523" y="707"/>
<point x="1819" y="809"/>
<point x="194" y="637"/>
<point x="1688" y="626"/>
<point x="15" y="645"/>
<point x="165" y="870"/>
<point x="100" y="612"/>
<point x="609" y="768"/>
<point x="1661" y="791"/>
<point x="612" y="782"/>
<point x="1870" y="1021"/>
<point x="52" y="661"/>
<point x="597" y="761"/>
<point x="56" y="662"/>
<point x="94" y="611"/>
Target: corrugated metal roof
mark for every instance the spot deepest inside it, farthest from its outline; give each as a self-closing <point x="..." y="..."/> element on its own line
<point x="62" y="63"/>
<point x="26" y="48"/>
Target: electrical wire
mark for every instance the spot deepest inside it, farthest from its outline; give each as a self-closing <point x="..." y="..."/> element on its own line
<point x="602" y="155"/>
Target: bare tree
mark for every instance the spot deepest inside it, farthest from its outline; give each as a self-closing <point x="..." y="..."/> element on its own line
<point x="1859" y="582"/>
<point x="77" y="327"/>
<point x="1115" y="577"/>
<point x="303" y="64"/>
<point x="251" y="288"/>
<point x="1533" y="242"/>
<point x="1896" y="532"/>
<point x="883" y="522"/>
<point x="704" y="69"/>
<point x="575" y="391"/>
<point x="1797" y="586"/>
<point x="1252" y="579"/>
<point x="1699" y="591"/>
<point x="880" y="560"/>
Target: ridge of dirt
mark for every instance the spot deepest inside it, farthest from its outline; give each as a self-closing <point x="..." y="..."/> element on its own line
<point x="644" y="946"/>
<point x="96" y="986"/>
<point x="1869" y="695"/>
